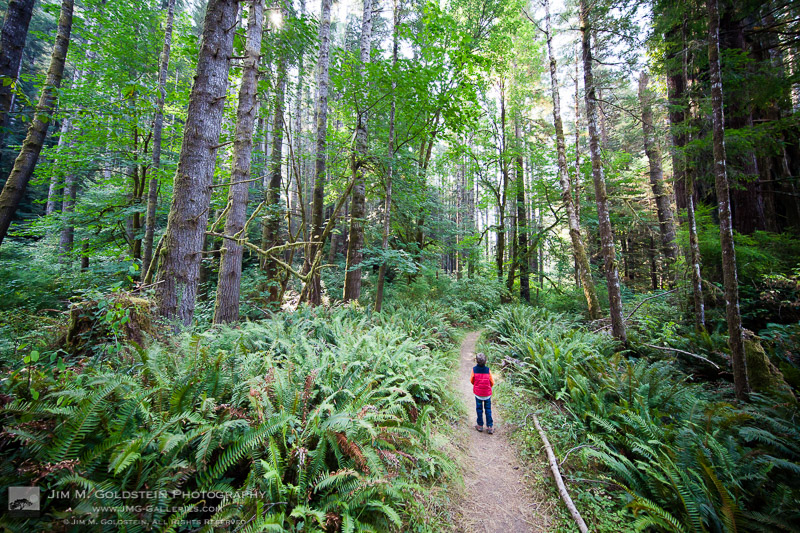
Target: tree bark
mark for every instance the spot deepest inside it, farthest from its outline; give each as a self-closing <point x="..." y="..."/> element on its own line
<point x="604" y="221"/>
<point x="158" y="126"/>
<point x="17" y="182"/>
<point x="352" y="280"/>
<point x="578" y="247"/>
<point x="226" y="308"/>
<point x="12" y="43"/>
<point x="177" y="282"/>
<point x="666" y="224"/>
<point x="730" y="279"/>
<point x="387" y="205"/>
<point x="321" y="156"/>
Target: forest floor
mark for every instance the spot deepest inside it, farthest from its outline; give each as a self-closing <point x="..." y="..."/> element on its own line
<point x="498" y="495"/>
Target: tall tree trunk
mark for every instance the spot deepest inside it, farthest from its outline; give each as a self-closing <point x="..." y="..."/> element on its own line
<point x="730" y="279"/>
<point x="178" y="275"/>
<point x="502" y="194"/>
<point x="158" y="126"/>
<point x="352" y="280"/>
<point x="677" y="84"/>
<point x="666" y="224"/>
<point x="387" y="205"/>
<point x="577" y="183"/>
<point x="604" y="221"/>
<point x="522" y="218"/>
<point x="226" y="307"/>
<point x="578" y="247"/>
<point x="272" y="221"/>
<point x="298" y="176"/>
<point x="12" y="43"/>
<point x="321" y="155"/>
<point x="17" y="182"/>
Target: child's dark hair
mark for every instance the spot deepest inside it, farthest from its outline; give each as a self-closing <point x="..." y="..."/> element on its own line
<point x="480" y="358"/>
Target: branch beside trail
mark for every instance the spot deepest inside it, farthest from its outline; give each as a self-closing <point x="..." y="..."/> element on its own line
<point x="562" y="489"/>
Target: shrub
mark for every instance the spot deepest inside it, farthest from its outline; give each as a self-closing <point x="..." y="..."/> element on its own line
<point x="315" y="420"/>
<point x="683" y="459"/>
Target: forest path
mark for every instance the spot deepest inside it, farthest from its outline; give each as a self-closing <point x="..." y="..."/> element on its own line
<point x="496" y="496"/>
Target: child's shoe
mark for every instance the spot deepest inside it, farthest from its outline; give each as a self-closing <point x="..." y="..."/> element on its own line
<point x="490" y="430"/>
<point x="479" y="428"/>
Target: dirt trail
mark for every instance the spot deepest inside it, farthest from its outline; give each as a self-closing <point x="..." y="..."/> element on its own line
<point x="497" y="498"/>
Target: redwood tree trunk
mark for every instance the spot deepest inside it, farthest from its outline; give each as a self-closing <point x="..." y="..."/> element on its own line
<point x="352" y="280"/>
<point x="666" y="224"/>
<point x="731" y="282"/>
<point x="578" y="248"/>
<point x="17" y="182"/>
<point x="604" y="221"/>
<point x="158" y="125"/>
<point x="321" y="157"/>
<point x="12" y="43"/>
<point x="226" y="308"/>
<point x="178" y="275"/>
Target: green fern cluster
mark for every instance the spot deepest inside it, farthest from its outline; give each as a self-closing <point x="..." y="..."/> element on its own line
<point x="318" y="420"/>
<point x="683" y="460"/>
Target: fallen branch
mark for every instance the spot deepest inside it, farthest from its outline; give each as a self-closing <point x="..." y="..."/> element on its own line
<point x="670" y="348"/>
<point x="562" y="489"/>
<point x="648" y="298"/>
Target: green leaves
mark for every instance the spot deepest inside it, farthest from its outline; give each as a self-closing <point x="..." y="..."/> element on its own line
<point x="32" y="357"/>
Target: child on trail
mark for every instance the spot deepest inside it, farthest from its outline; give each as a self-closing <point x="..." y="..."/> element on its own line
<point x="482" y="383"/>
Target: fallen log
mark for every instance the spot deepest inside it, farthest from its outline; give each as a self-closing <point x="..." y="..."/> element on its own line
<point x="562" y="488"/>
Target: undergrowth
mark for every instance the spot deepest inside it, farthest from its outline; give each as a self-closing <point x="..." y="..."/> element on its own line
<point x="671" y="450"/>
<point x="317" y="420"/>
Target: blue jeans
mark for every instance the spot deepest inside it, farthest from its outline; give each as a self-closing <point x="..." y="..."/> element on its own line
<point x="480" y="405"/>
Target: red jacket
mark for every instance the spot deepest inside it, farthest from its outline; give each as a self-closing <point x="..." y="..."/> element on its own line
<point x="482" y="381"/>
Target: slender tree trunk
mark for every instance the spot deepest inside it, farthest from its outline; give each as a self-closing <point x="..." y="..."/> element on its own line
<point x="12" y="43"/>
<point x="352" y="280"/>
<point x="522" y="218"/>
<point x="17" y="182"/>
<point x="67" y="237"/>
<point x="682" y="177"/>
<point x="387" y="206"/>
<point x="666" y="224"/>
<point x="577" y="188"/>
<point x="158" y="125"/>
<point x="731" y="282"/>
<point x="502" y="195"/>
<point x="272" y="226"/>
<point x="321" y="156"/>
<point x="177" y="282"/>
<point x="226" y="307"/>
<point x="55" y="182"/>
<point x="578" y="247"/>
<point x="298" y="135"/>
<point x="604" y="221"/>
<point x="85" y="255"/>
